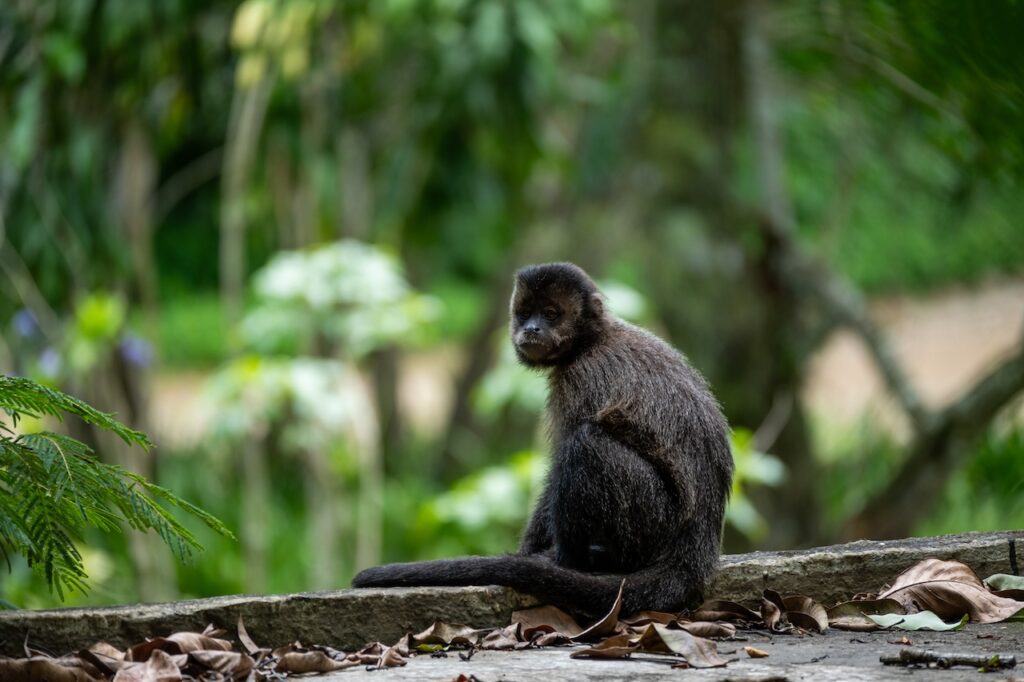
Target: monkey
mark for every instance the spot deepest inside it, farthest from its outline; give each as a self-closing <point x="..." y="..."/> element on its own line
<point x="640" y="470"/>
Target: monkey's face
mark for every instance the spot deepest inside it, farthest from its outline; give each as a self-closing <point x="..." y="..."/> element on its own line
<point x="543" y="325"/>
<point x="556" y="312"/>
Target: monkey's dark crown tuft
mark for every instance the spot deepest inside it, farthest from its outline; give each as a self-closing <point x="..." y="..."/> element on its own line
<point x="540" y="277"/>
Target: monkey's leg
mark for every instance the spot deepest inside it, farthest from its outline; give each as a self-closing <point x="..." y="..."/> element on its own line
<point x="611" y="511"/>
<point x="537" y="536"/>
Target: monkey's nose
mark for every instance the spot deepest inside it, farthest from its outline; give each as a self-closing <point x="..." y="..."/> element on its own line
<point x="532" y="329"/>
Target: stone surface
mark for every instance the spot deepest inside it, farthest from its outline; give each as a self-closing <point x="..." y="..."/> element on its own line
<point x="348" y="618"/>
<point x="344" y="618"/>
<point x="837" y="572"/>
<point x="835" y="655"/>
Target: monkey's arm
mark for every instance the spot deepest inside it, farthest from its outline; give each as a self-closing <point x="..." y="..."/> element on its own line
<point x="537" y="537"/>
<point x="616" y="421"/>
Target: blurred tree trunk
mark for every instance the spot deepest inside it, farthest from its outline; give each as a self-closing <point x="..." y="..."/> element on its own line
<point x="751" y="347"/>
<point x="322" y="505"/>
<point x="248" y="107"/>
<point x="369" y="517"/>
<point x="795" y="515"/>
<point x="117" y="387"/>
<point x="132" y="208"/>
<point x="254" y="527"/>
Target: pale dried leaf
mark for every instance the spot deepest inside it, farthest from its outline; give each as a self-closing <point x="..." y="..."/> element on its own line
<point x="922" y="620"/>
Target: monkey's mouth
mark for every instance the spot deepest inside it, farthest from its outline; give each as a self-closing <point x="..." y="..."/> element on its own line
<point x="532" y="347"/>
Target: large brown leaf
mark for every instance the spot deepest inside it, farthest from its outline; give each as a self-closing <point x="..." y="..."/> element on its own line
<point x="949" y="589"/>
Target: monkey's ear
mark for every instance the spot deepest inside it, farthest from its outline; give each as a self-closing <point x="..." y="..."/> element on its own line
<point x="597" y="304"/>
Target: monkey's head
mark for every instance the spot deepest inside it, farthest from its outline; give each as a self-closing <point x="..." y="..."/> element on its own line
<point x="556" y="313"/>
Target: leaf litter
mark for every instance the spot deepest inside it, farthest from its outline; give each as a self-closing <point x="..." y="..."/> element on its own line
<point x="931" y="595"/>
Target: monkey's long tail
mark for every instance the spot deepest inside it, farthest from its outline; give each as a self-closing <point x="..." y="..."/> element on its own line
<point x="655" y="588"/>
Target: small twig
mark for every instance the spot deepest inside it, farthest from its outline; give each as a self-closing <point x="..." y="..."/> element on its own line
<point x="912" y="656"/>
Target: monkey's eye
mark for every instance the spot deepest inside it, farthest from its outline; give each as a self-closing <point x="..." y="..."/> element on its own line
<point x="550" y="313"/>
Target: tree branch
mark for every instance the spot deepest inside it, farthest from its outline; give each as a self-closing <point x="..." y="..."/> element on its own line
<point x="937" y="449"/>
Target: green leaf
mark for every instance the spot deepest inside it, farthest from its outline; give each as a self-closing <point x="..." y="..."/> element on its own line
<point x="21" y="396"/>
<point x="922" y="620"/>
<point x="53" y="487"/>
<point x="1004" y="581"/>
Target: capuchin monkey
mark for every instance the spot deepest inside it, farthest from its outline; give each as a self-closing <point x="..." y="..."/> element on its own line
<point x="640" y="472"/>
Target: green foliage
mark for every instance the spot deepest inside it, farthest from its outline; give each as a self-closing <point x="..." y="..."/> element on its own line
<point x="191" y="332"/>
<point x="54" y="488"/>
<point x="988" y="494"/>
<point x="753" y="468"/>
<point x="483" y="513"/>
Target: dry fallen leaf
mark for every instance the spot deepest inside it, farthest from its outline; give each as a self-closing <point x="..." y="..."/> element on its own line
<point x="619" y="646"/>
<point x="806" y="613"/>
<point x="158" y="667"/>
<point x="38" y="668"/>
<point x="647" y="617"/>
<point x="607" y="625"/>
<point x="771" y="614"/>
<point x="720" y="609"/>
<point x="446" y="633"/>
<point x="719" y="630"/>
<point x="853" y="615"/>
<point x="950" y="589"/>
<point x="754" y="652"/>
<point x="698" y="652"/>
<point x="310" y="662"/>
<point x="546" y="619"/>
<point x="505" y="638"/>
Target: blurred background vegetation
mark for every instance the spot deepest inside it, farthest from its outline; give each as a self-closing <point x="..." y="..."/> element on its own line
<point x="278" y="236"/>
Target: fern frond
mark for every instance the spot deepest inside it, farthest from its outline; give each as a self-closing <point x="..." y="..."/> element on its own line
<point x="52" y="487"/>
<point x="20" y="396"/>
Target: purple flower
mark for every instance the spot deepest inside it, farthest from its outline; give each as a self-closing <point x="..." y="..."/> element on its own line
<point x="136" y="350"/>
<point x="25" y="322"/>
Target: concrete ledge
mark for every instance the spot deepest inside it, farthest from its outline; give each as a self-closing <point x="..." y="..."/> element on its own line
<point x="837" y="572"/>
<point x="349" y="618"/>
